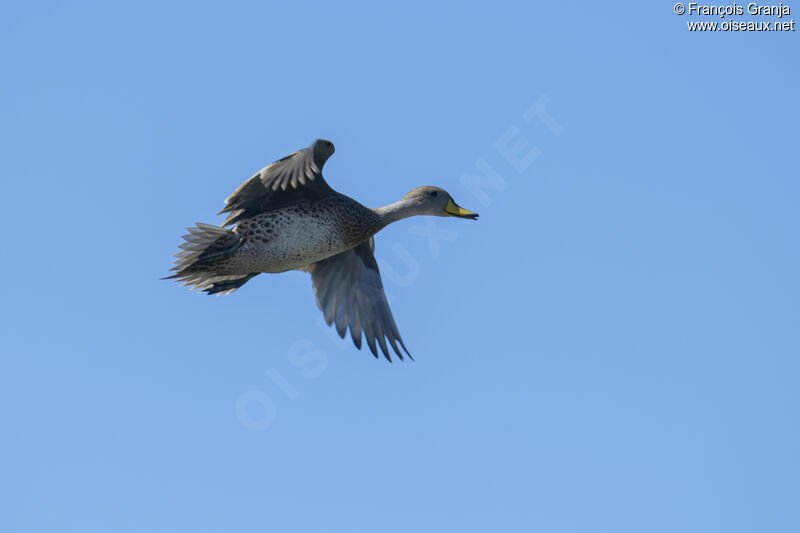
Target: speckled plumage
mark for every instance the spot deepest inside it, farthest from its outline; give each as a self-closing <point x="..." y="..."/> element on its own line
<point x="286" y="217"/>
<point x="297" y="235"/>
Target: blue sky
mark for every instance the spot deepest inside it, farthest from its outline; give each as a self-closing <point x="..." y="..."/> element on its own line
<point x="612" y="347"/>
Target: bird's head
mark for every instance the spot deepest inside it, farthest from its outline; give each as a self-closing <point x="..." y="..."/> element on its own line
<point x="437" y="202"/>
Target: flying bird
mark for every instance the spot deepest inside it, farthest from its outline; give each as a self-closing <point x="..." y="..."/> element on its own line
<point x="286" y="217"/>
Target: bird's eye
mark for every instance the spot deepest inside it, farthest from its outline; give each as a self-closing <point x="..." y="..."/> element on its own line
<point x="434" y="193"/>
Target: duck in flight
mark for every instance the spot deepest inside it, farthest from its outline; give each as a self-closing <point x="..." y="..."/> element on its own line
<point x="286" y="217"/>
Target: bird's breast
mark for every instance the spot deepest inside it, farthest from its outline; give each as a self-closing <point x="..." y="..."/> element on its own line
<point x="299" y="235"/>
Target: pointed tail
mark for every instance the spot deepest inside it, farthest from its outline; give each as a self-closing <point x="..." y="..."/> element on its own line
<point x="200" y="264"/>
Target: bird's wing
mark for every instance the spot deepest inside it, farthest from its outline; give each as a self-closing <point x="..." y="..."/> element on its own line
<point x="296" y="177"/>
<point x="350" y="293"/>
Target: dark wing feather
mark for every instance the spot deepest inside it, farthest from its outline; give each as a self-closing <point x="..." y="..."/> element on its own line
<point x="350" y="294"/>
<point x="295" y="178"/>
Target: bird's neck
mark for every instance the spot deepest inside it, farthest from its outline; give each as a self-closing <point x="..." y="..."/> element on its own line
<point x="396" y="211"/>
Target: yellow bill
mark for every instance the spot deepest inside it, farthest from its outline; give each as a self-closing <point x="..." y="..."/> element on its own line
<point x="454" y="210"/>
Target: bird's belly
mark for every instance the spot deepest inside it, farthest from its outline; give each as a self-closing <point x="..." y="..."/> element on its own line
<point x="285" y="241"/>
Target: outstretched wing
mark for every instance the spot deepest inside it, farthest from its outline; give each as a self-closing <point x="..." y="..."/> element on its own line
<point x="296" y="177"/>
<point x="350" y="293"/>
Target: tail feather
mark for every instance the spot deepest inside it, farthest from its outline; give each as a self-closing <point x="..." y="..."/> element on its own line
<point x="199" y="261"/>
<point x="228" y="286"/>
<point x="206" y="243"/>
